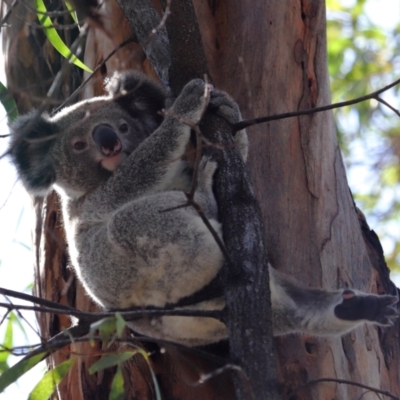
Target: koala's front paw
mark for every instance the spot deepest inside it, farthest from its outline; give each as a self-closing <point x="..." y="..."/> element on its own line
<point x="190" y="103"/>
<point x="378" y="309"/>
<point x="222" y="104"/>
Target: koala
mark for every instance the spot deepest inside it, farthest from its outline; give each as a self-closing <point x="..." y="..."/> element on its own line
<point x="118" y="165"/>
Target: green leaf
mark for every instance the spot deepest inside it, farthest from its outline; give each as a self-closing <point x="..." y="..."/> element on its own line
<point x="111" y="360"/>
<point x="72" y="12"/>
<point x="54" y="38"/>
<point x="16" y="371"/>
<point x="117" y="386"/>
<point x="106" y="328"/>
<point x="47" y="385"/>
<point x="6" y="344"/>
<point x="120" y="323"/>
<point x="390" y="175"/>
<point x="8" y="103"/>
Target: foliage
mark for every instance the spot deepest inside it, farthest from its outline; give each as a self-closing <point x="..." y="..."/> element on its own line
<point x="48" y="384"/>
<point x="8" y="103"/>
<point x="106" y="330"/>
<point x="363" y="57"/>
<point x="53" y="36"/>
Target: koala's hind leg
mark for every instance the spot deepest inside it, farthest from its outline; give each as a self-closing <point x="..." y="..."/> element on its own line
<point x="325" y="312"/>
<point x="170" y="250"/>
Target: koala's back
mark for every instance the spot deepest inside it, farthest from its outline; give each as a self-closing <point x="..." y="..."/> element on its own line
<point x="139" y="256"/>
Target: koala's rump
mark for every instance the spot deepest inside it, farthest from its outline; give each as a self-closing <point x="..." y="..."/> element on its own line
<point x="141" y="256"/>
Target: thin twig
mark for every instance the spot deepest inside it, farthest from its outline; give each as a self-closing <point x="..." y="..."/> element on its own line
<point x="190" y="195"/>
<point x="361" y="385"/>
<point x="20" y="315"/>
<point x="76" y="333"/>
<point x="8" y="14"/>
<point x="34" y="299"/>
<point x="157" y="29"/>
<point x="199" y="136"/>
<point x="128" y="315"/>
<point x="47" y="13"/>
<point x="84" y="83"/>
<point x="387" y="105"/>
<point x="227" y="367"/>
<point x="5" y="316"/>
<point x="245" y="124"/>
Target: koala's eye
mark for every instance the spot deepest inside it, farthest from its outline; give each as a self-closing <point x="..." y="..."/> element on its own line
<point x="123" y="128"/>
<point x="79" y="145"/>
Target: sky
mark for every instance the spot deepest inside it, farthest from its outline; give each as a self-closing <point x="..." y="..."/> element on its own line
<point x="16" y="216"/>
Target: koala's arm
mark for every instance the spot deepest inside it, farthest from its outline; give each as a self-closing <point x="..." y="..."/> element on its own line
<point x="320" y="312"/>
<point x="157" y="162"/>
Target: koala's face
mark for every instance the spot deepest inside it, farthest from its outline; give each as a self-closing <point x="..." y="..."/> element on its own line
<point x="90" y="141"/>
<point x="80" y="147"/>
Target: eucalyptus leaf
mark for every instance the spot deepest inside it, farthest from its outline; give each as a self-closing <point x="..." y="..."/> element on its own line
<point x="8" y="103"/>
<point x="117" y="386"/>
<point x="48" y="384"/>
<point x="54" y="38"/>
<point x="111" y="360"/>
<point x="72" y="12"/>
<point x="16" y="371"/>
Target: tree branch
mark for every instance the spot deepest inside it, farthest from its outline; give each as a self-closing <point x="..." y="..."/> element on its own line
<point x="315" y="381"/>
<point x="374" y="95"/>
<point x="129" y="315"/>
<point x="143" y="19"/>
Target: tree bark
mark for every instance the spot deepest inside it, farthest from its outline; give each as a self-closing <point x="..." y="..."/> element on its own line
<point x="271" y="57"/>
<point x="312" y="226"/>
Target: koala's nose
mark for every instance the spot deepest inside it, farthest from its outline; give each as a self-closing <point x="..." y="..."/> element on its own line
<point x="107" y="140"/>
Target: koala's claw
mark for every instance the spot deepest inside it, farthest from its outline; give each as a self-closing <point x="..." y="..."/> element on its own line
<point x="378" y="309"/>
<point x="224" y="106"/>
<point x="191" y="101"/>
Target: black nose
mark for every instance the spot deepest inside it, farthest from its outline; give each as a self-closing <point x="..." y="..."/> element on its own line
<point x="107" y="140"/>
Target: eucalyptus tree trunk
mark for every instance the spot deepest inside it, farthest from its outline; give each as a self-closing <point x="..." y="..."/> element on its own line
<point x="271" y="57"/>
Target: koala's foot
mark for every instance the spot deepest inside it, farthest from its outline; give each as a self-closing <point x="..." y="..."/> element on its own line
<point x="191" y="102"/>
<point x="223" y="105"/>
<point x="378" y="309"/>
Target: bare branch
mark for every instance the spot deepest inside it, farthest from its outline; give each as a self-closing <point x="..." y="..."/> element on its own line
<point x="361" y="385"/>
<point x="129" y="315"/>
<point x="34" y="299"/>
<point x="387" y="105"/>
<point x="144" y="19"/>
<point x="161" y="25"/>
<point x="374" y="95"/>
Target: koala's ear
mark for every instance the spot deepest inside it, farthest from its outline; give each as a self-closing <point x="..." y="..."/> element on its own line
<point x="32" y="137"/>
<point x="137" y="94"/>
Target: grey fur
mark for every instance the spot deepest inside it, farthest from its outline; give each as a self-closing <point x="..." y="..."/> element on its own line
<point x="116" y="172"/>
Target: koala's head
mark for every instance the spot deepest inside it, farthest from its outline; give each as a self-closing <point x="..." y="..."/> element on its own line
<point x="78" y="148"/>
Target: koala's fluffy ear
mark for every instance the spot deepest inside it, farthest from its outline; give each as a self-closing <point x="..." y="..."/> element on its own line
<point x="137" y="94"/>
<point x="30" y="150"/>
